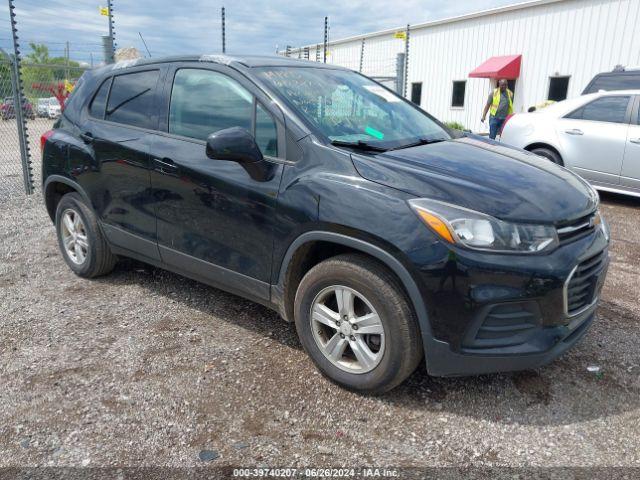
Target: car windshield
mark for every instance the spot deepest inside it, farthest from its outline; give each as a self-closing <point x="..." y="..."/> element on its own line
<point x="349" y="109"/>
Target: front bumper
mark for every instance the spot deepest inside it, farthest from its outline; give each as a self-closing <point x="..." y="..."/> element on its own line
<point x="491" y="313"/>
<point x="442" y="361"/>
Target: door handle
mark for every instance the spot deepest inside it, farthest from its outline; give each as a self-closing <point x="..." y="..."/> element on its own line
<point x="165" y="165"/>
<point x="635" y="140"/>
<point x="87" y="137"/>
<point x="574" y="131"/>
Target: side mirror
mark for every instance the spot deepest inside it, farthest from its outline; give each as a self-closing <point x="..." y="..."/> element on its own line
<point x="234" y="144"/>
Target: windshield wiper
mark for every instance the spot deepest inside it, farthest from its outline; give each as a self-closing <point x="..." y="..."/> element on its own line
<point x="360" y="145"/>
<point x="422" y="141"/>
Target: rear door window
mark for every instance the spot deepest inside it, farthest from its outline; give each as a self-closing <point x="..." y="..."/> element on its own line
<point x="131" y="100"/>
<point x="604" y="109"/>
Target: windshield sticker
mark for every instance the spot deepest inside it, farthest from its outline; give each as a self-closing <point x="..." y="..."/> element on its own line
<point x="382" y="93"/>
<point x="374" y="133"/>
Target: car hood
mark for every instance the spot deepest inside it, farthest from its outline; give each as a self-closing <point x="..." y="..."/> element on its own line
<point x="484" y="176"/>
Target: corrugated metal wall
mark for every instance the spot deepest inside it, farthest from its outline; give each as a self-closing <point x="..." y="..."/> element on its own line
<point x="573" y="37"/>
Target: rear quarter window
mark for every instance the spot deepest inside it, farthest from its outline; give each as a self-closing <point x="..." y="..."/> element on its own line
<point x="131" y="100"/>
<point x="99" y="102"/>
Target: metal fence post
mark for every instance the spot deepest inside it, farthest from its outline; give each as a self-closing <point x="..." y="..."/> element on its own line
<point x="399" y="78"/>
<point x="406" y="62"/>
<point x="18" y="102"/>
<point x="112" y="30"/>
<point x="326" y="39"/>
<point x="224" y="40"/>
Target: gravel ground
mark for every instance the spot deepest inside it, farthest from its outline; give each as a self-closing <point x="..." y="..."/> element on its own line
<point x="146" y="368"/>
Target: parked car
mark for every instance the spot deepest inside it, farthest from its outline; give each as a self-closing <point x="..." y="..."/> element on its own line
<point x="385" y="236"/>
<point x="620" y="78"/>
<point x="42" y="107"/>
<point x="53" y="108"/>
<point x="7" y="109"/>
<point x="48" y="107"/>
<point x="596" y="135"/>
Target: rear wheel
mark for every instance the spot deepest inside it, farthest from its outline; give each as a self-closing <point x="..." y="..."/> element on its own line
<point x="356" y="324"/>
<point x="81" y="241"/>
<point x="548" y="154"/>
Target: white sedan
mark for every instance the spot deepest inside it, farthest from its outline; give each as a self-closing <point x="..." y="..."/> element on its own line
<point x="595" y="135"/>
<point x="53" y="108"/>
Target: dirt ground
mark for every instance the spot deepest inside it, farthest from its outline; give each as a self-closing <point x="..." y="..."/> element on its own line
<point x="144" y="367"/>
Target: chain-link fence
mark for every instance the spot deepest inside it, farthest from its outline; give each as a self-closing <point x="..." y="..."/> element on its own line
<point x="45" y="88"/>
<point x="383" y="58"/>
<point x="11" y="171"/>
<point x="42" y="56"/>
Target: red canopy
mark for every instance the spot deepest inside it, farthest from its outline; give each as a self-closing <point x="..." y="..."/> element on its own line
<point x="507" y="67"/>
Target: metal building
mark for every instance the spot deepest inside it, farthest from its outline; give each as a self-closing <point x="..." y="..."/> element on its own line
<point x="549" y="48"/>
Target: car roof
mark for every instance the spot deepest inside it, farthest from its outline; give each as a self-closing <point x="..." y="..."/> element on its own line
<point x="634" y="70"/>
<point x="247" y="61"/>
<point x="616" y="92"/>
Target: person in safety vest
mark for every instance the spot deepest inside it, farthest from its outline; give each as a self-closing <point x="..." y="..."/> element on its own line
<point x="500" y="105"/>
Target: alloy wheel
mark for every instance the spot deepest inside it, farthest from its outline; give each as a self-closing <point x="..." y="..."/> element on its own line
<point x="347" y="329"/>
<point x="74" y="236"/>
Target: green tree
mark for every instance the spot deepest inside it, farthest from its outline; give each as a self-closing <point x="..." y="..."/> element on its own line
<point x="40" y="70"/>
<point x="39" y="54"/>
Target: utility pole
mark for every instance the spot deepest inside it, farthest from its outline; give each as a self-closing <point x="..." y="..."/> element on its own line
<point x="224" y="43"/>
<point x="326" y="38"/>
<point x="66" y="59"/>
<point x="361" y="55"/>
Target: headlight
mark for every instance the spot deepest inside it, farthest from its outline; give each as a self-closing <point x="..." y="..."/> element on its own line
<point x="482" y="232"/>
<point x="600" y="221"/>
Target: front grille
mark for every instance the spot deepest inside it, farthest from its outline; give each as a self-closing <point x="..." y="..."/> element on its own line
<point x="577" y="229"/>
<point x="581" y="289"/>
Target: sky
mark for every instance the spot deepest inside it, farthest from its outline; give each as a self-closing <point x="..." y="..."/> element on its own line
<point x="193" y="26"/>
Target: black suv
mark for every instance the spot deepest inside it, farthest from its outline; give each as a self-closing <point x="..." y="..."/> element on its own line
<point x="619" y="79"/>
<point x="318" y="192"/>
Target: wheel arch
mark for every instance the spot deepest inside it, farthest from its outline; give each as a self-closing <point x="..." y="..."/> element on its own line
<point x="55" y="187"/>
<point x="548" y="146"/>
<point x="298" y="260"/>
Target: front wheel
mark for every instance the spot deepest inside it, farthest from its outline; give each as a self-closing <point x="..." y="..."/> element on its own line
<point x="356" y="324"/>
<point x="548" y="154"/>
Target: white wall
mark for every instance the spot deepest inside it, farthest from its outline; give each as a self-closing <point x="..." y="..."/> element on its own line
<point x="572" y="37"/>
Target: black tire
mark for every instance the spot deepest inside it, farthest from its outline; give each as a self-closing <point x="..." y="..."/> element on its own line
<point x="99" y="259"/>
<point x="403" y="347"/>
<point x="548" y="154"/>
